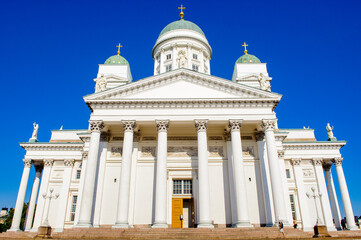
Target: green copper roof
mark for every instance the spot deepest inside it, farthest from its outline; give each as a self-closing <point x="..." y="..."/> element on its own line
<point x="116" y="59"/>
<point x="248" y="58"/>
<point x="181" y="24"/>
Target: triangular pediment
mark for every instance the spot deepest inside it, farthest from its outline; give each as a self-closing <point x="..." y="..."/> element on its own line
<point x="183" y="84"/>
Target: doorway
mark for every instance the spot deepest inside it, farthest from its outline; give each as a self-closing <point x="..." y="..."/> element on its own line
<point x="182" y="213"/>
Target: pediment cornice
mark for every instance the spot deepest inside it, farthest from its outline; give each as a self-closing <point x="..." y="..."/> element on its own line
<point x="240" y="91"/>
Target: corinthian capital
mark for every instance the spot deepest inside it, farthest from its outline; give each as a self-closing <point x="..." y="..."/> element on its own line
<point x="128" y="125"/>
<point x="281" y="153"/>
<point x="69" y="162"/>
<point x="235" y="124"/>
<point x="96" y="126"/>
<point x="268" y="124"/>
<point x="201" y="125"/>
<point x="296" y="161"/>
<point x="48" y="162"/>
<point x="317" y="161"/>
<point x="27" y="162"/>
<point x="84" y="155"/>
<point x="162" y="125"/>
<point x="338" y="161"/>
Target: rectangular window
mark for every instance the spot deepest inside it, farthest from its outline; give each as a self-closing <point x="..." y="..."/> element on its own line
<point x="73" y="208"/>
<point x="168" y="68"/>
<point x="195" y="67"/>
<point x="182" y="186"/>
<point x="195" y="56"/>
<point x="78" y="173"/>
<point x="293" y="207"/>
<point x="288" y="174"/>
<point x="169" y="56"/>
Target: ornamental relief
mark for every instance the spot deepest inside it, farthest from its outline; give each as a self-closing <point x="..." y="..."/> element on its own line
<point x="116" y="151"/>
<point x="248" y="151"/>
<point x="308" y="173"/>
<point x="215" y="151"/>
<point x="148" y="152"/>
<point x="182" y="151"/>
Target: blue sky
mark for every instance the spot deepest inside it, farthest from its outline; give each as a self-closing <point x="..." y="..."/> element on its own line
<point x="50" y="51"/>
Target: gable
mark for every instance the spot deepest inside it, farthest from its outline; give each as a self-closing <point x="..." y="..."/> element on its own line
<point x="183" y="84"/>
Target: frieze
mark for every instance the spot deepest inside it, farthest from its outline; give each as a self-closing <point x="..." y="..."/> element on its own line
<point x="215" y="138"/>
<point x="117" y="138"/>
<point x="148" y="151"/>
<point x="311" y="146"/>
<point x="149" y="138"/>
<point x="182" y="138"/>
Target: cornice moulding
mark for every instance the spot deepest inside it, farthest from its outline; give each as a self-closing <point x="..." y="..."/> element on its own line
<point x="312" y="145"/>
<point x="52" y="146"/>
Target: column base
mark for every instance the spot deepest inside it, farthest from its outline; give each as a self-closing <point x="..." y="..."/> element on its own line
<point x="121" y="225"/>
<point x="58" y="229"/>
<point x="160" y="225"/>
<point x="14" y="230"/>
<point x="353" y="228"/>
<point x="205" y="225"/>
<point x="241" y="224"/>
<point x="83" y="225"/>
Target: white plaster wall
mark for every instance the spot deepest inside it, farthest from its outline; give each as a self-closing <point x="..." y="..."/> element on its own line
<point x="219" y="193"/>
<point x="253" y="198"/>
<point x="110" y="193"/>
<point x="144" y="191"/>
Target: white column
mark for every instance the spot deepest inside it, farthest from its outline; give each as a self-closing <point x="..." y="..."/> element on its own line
<point x="122" y="220"/>
<point x="347" y="207"/>
<point x="325" y="203"/>
<point x="276" y="179"/>
<point x="266" y="181"/>
<point x="64" y="195"/>
<point x="230" y="178"/>
<point x="87" y="200"/>
<point x="302" y="198"/>
<point x="333" y="197"/>
<point x="174" y="57"/>
<point x="160" y="220"/>
<point x="15" y="226"/>
<point x="48" y="163"/>
<point x="33" y="197"/>
<point x="203" y="176"/>
<point x="238" y="175"/>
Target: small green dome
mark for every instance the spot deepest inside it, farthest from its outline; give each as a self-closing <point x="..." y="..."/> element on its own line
<point x="248" y="58"/>
<point x="181" y="24"/>
<point x="116" y="59"/>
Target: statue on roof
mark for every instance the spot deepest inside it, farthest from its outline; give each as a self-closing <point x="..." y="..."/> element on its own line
<point x="100" y="84"/>
<point x="329" y="132"/>
<point x="264" y="83"/>
<point x="34" y="136"/>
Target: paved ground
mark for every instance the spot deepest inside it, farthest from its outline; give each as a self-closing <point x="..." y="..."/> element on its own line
<point x="148" y="233"/>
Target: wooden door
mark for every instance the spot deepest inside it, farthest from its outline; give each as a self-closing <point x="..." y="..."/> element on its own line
<point x="177" y="211"/>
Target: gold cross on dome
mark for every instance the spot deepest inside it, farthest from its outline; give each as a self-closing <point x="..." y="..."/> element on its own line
<point x="245" y="47"/>
<point x="119" y="46"/>
<point x="181" y="14"/>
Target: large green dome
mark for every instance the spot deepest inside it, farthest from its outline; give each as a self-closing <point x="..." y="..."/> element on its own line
<point x="116" y="59"/>
<point x="248" y="58"/>
<point x="181" y="24"/>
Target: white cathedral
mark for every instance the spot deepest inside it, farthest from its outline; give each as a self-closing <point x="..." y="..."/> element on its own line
<point x="182" y="149"/>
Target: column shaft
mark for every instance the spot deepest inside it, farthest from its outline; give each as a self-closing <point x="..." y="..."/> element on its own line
<point x="203" y="176"/>
<point x="325" y="203"/>
<point x="231" y="179"/>
<point x="124" y="186"/>
<point x="276" y="180"/>
<point x="15" y="226"/>
<point x="347" y="207"/>
<point x="266" y="181"/>
<point x="161" y="177"/>
<point x="333" y="197"/>
<point x="33" y="197"/>
<point x="87" y="200"/>
<point x="48" y="163"/>
<point x="302" y="199"/>
<point x="238" y="175"/>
